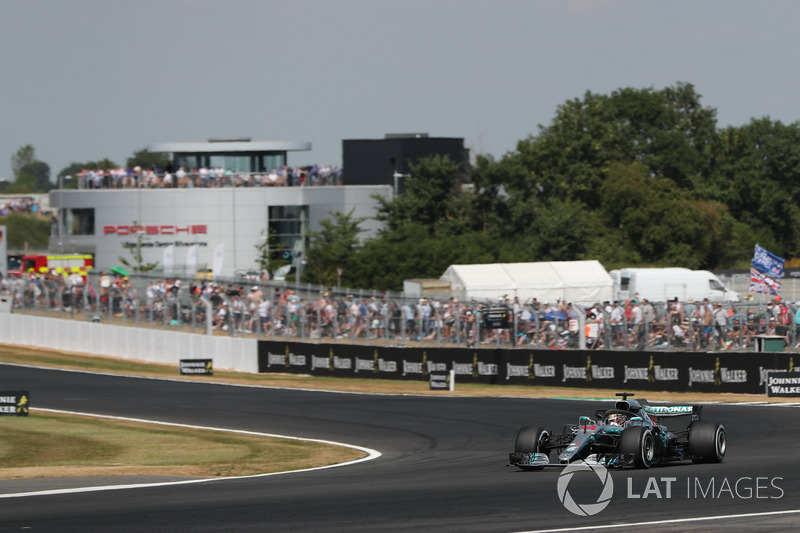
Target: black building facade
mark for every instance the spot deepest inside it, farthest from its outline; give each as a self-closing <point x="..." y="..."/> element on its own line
<point x="387" y="161"/>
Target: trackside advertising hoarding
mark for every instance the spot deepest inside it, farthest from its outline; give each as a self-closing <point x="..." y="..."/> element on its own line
<point x="196" y="366"/>
<point x="14" y="403"/>
<point x="661" y="371"/>
<point x="783" y="384"/>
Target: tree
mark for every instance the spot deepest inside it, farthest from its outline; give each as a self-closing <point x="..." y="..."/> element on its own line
<point x="149" y="160"/>
<point x="30" y="174"/>
<point x="22" y="158"/>
<point x="332" y="248"/>
<point x="27" y="231"/>
<point x="384" y="264"/>
<point x="661" y="222"/>
<point x="103" y="164"/>
<point x="486" y="204"/>
<point x="136" y="261"/>
<point x="270" y="252"/>
<point x="72" y="171"/>
<point x="667" y="131"/>
<point x="430" y="190"/>
<point x="758" y="178"/>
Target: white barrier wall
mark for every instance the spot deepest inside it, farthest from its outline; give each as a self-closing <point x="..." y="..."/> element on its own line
<point x="154" y="345"/>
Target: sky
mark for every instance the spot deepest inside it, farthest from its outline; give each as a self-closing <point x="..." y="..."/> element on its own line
<point x="84" y="80"/>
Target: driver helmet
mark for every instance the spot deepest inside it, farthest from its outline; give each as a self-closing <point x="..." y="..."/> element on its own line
<point x="617" y="419"/>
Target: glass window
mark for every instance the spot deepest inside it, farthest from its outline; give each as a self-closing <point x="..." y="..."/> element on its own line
<point x="715" y="285"/>
<point x="269" y="162"/>
<point x="188" y="162"/>
<point x="79" y="221"/>
<point x="287" y="225"/>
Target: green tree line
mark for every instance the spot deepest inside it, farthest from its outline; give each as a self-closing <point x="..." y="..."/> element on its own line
<point x="638" y="177"/>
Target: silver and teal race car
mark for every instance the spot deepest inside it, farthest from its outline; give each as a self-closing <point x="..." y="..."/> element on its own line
<point x="632" y="434"/>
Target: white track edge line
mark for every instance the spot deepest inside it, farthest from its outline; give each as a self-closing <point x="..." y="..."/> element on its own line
<point x="664" y="522"/>
<point x="371" y="454"/>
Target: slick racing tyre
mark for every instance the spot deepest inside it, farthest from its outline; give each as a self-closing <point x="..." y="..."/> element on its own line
<point x="707" y="443"/>
<point x="532" y="440"/>
<point x="639" y="441"/>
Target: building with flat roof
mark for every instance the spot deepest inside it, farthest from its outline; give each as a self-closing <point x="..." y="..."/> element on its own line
<point x="195" y="222"/>
<point x="198" y="220"/>
<point x="107" y="222"/>
<point x="237" y="154"/>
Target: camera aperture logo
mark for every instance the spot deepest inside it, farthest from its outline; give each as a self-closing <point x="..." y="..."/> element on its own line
<point x="585" y="469"/>
<point x="585" y="475"/>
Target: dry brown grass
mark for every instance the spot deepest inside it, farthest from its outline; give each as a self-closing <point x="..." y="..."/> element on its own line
<point x="48" y="444"/>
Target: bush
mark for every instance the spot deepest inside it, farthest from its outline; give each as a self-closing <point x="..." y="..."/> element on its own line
<point x="23" y="229"/>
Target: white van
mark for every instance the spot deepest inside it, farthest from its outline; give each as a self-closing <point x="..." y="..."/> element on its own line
<point x="663" y="284"/>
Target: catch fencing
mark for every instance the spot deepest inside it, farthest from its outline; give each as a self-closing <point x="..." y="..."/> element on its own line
<point x="249" y="309"/>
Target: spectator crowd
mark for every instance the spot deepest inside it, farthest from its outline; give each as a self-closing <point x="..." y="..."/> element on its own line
<point x="245" y="308"/>
<point x="135" y="177"/>
<point x="24" y="204"/>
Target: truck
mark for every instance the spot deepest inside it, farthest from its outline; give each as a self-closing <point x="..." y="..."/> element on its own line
<point x="664" y="284"/>
<point x="52" y="263"/>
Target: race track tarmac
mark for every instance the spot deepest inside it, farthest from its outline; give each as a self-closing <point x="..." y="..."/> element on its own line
<point x="442" y="466"/>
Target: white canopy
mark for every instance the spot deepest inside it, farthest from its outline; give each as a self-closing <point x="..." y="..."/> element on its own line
<point x="580" y="282"/>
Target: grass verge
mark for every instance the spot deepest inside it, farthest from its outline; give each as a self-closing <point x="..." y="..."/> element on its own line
<point x="60" y="445"/>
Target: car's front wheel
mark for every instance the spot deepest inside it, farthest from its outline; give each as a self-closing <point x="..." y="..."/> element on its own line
<point x="532" y="440"/>
<point x="639" y="441"/>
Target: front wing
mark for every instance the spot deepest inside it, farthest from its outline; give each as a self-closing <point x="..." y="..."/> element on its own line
<point x="538" y="461"/>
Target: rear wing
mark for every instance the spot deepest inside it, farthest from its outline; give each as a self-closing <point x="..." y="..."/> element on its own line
<point x="674" y="410"/>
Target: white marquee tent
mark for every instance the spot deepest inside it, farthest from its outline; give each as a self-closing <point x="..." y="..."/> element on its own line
<point x="580" y="282"/>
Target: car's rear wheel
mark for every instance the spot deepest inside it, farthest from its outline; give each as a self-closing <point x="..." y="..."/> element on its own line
<point x="532" y="440"/>
<point x="639" y="441"/>
<point x="707" y="442"/>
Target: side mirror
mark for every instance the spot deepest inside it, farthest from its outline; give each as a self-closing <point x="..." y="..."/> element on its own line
<point x="585" y="421"/>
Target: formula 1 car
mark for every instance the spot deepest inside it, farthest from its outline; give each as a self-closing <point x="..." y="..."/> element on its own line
<point x="633" y="434"/>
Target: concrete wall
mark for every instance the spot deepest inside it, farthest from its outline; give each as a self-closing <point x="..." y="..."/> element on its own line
<point x="152" y="345"/>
